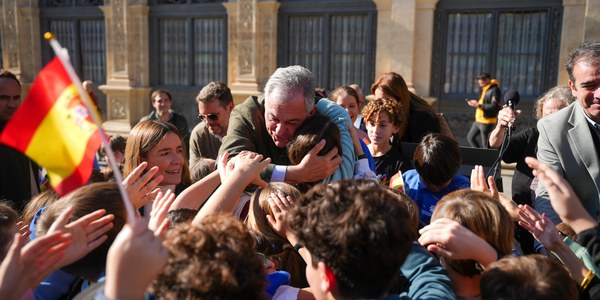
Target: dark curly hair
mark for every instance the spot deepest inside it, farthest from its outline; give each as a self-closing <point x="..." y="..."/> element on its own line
<point x="378" y="106"/>
<point x="214" y="259"/>
<point x="359" y="229"/>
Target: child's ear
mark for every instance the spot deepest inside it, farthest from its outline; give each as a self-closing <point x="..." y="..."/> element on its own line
<point x="327" y="278"/>
<point x="396" y="129"/>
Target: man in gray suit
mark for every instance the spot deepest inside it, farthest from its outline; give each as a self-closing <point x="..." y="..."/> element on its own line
<point x="570" y="139"/>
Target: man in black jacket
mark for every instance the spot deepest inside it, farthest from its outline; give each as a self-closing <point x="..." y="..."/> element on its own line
<point x="487" y="108"/>
<point x="19" y="176"/>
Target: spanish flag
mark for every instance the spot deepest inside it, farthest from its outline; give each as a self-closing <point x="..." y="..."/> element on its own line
<point x="54" y="128"/>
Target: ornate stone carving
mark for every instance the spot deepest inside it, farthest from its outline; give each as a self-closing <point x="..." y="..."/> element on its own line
<point x="26" y="52"/>
<point x="267" y="42"/>
<point x="137" y="39"/>
<point x="118" y="38"/>
<point x="9" y="35"/>
<point x="246" y="37"/>
<point x="118" y="108"/>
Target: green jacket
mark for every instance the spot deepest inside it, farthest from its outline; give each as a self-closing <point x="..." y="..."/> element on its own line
<point x="247" y="131"/>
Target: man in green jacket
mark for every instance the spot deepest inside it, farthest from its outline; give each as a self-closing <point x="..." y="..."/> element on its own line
<point x="266" y="125"/>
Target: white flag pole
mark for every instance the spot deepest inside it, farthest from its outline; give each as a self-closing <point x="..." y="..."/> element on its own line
<point x="63" y="55"/>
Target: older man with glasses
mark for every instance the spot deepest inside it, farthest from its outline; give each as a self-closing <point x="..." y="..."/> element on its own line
<point x="215" y="104"/>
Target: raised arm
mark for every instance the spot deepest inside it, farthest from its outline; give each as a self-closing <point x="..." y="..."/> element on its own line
<point x="506" y="116"/>
<point x="195" y="195"/>
<point x="447" y="238"/>
<point x="562" y="197"/>
<point x="236" y="176"/>
<point x="545" y="232"/>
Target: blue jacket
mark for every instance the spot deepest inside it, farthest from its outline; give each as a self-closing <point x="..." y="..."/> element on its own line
<point x="426" y="278"/>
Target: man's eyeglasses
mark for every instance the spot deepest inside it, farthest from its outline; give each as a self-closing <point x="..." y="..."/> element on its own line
<point x="212" y="117"/>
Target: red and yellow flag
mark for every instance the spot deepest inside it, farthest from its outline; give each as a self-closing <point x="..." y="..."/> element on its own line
<point x="54" y="128"/>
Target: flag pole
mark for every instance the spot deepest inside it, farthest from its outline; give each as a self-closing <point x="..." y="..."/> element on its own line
<point x="63" y="55"/>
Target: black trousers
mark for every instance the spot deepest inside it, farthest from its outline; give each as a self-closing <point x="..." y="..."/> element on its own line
<point x="478" y="134"/>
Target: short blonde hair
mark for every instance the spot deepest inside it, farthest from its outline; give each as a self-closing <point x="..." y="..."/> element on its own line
<point x="561" y="94"/>
<point x="481" y="214"/>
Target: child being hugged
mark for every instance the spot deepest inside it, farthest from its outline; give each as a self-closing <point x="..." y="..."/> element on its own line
<point x="436" y="160"/>
<point x="382" y="117"/>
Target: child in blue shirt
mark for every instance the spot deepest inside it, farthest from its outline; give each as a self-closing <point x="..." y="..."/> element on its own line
<point x="436" y="160"/>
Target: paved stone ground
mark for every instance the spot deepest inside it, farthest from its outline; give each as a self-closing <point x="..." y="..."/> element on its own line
<point x="507" y="173"/>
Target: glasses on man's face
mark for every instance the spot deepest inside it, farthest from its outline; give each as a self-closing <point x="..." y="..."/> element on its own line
<point x="212" y="117"/>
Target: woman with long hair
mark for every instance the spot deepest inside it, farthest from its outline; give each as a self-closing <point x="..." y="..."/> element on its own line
<point x="417" y="117"/>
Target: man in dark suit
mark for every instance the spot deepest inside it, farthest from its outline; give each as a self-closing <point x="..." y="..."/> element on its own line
<point x="19" y="176"/>
<point x="570" y="139"/>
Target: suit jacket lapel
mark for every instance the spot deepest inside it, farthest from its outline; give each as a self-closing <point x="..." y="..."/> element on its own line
<point x="583" y="144"/>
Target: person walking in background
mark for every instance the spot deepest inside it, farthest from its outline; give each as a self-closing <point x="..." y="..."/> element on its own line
<point x="487" y="108"/>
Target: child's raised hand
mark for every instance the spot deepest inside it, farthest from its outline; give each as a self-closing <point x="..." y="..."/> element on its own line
<point x="135" y="258"/>
<point x="562" y="197"/>
<point x="24" y="229"/>
<point x="478" y="182"/>
<point x="249" y="165"/>
<point x="448" y="238"/>
<point x="279" y="204"/>
<point x="25" y="265"/>
<point x="142" y="188"/>
<point x="158" y="215"/>
<point x="539" y="226"/>
<point x="88" y="232"/>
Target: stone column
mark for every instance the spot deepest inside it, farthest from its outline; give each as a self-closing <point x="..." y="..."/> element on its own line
<point x="252" y="49"/>
<point x="21" y="47"/>
<point x="573" y="29"/>
<point x="423" y="46"/>
<point x="127" y="65"/>
<point x="592" y="21"/>
<point x="396" y="38"/>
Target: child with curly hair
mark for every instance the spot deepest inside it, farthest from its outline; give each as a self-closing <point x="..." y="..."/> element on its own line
<point x="383" y="120"/>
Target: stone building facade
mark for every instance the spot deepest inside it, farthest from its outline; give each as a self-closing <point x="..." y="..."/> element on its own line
<point x="403" y="40"/>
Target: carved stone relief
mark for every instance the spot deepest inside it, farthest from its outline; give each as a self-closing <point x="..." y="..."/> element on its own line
<point x="119" y="38"/>
<point x="246" y="37"/>
<point x="9" y="35"/>
<point x="118" y="108"/>
<point x="267" y="43"/>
